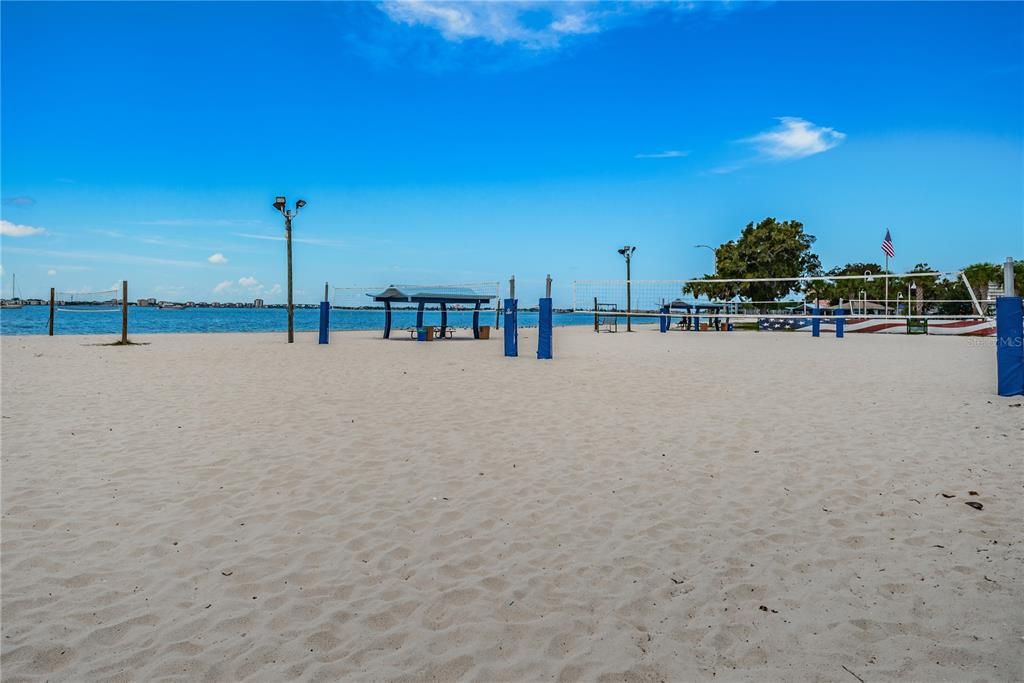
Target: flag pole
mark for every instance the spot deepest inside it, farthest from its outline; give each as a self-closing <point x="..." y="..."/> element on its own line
<point x="887" y="285"/>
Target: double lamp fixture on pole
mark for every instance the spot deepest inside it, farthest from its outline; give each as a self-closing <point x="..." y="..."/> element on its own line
<point x="279" y="204"/>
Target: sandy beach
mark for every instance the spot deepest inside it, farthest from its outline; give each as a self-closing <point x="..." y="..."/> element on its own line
<point x="645" y="507"/>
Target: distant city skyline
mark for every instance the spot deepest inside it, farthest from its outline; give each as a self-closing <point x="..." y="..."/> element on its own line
<point x="464" y="142"/>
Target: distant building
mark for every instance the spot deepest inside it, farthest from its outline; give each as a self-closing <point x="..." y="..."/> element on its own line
<point x="146" y="302"/>
<point x="258" y="303"/>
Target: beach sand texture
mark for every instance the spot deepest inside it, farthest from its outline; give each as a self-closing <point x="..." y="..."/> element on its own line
<point x="645" y="507"/>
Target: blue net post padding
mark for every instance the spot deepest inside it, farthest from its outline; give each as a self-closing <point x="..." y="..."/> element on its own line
<point x="511" y="327"/>
<point x="325" y="322"/>
<point x="1010" y="345"/>
<point x="544" y="318"/>
<point x="664" y="321"/>
<point x="840" y="322"/>
<point x="816" y="322"/>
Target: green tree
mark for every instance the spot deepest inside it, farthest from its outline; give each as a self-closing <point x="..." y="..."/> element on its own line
<point x="767" y="249"/>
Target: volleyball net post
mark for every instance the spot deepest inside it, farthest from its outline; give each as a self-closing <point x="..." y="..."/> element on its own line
<point x="124" y="311"/>
<point x="544" y="323"/>
<point x="1009" y="338"/>
<point x="325" y="316"/>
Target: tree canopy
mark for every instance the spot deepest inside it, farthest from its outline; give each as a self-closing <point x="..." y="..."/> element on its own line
<point x="768" y="249"/>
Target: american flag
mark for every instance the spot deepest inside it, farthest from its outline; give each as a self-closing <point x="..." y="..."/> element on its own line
<point x="772" y="324"/>
<point x="887" y="245"/>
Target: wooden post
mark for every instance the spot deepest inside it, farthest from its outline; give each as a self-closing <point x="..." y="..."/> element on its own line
<point x="124" y="311"/>
<point x="52" y="301"/>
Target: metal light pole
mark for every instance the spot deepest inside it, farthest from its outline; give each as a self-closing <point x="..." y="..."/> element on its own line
<point x="705" y="246"/>
<point x="279" y="204"/>
<point x="627" y="252"/>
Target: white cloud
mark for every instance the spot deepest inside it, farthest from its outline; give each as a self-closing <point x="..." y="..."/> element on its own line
<point x="9" y="229"/>
<point x="222" y="287"/>
<point x="795" y="138"/>
<point x="217" y="258"/>
<point x="276" y="289"/>
<point x="249" y="282"/>
<point x="532" y="25"/>
<point x="51" y="271"/>
<point x="667" y="154"/>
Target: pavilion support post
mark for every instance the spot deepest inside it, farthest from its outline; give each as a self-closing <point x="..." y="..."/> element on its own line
<point x="387" y="319"/>
<point x="476" y="321"/>
<point x="419" y="315"/>
<point x="444" y="318"/>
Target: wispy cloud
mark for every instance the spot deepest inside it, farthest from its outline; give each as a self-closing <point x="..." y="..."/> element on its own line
<point x="109" y="257"/>
<point x="19" y="201"/>
<point x="249" y="282"/>
<point x="302" y="240"/>
<point x="667" y="154"/>
<point x="9" y="229"/>
<point x="222" y="286"/>
<point x="531" y="25"/>
<point x="217" y="258"/>
<point x="795" y="138"/>
<point x="199" y="222"/>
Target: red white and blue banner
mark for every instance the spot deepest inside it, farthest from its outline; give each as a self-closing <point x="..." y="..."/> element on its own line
<point x="979" y="327"/>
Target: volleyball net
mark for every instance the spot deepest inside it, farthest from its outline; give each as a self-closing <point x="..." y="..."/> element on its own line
<point x="65" y="307"/>
<point x="918" y="295"/>
<point x="104" y="301"/>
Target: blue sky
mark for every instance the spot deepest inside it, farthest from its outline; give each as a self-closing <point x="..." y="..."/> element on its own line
<point x="447" y="142"/>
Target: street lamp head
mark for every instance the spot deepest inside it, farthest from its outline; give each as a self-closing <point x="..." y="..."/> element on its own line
<point x="279" y="203"/>
<point x="299" y="204"/>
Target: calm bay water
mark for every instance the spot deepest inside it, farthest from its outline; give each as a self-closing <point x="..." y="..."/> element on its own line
<point x="33" y="320"/>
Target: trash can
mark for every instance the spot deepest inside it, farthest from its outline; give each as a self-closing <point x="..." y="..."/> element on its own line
<point x="917" y="326"/>
<point x="485" y="331"/>
<point x="421" y="334"/>
<point x="430" y="332"/>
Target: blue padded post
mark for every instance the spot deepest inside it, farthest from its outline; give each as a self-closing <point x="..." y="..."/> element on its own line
<point x="816" y="322"/>
<point x="325" y="322"/>
<point x="1010" y="345"/>
<point x="840" y="322"/>
<point x="511" y="327"/>
<point x="664" y="321"/>
<point x="544" y="319"/>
